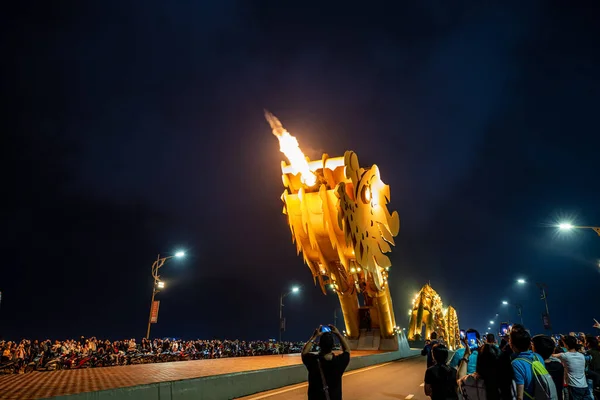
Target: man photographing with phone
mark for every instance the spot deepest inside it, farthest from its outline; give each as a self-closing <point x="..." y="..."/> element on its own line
<point x="325" y="369"/>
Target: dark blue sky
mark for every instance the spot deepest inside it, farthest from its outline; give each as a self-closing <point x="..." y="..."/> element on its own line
<point x="136" y="127"/>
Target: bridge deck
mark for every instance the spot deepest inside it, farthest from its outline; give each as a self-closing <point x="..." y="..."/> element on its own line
<point x="40" y="385"/>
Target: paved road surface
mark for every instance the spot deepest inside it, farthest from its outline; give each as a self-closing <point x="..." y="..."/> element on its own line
<point x="37" y="385"/>
<point x="391" y="381"/>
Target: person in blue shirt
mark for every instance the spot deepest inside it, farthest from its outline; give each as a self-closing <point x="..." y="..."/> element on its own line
<point x="460" y="354"/>
<point x="520" y="342"/>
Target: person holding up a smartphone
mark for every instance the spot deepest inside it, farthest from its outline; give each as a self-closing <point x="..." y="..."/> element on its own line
<point x="471" y="340"/>
<point x="325" y="369"/>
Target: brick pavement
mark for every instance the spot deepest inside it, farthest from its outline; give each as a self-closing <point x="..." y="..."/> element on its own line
<point x="40" y="385"/>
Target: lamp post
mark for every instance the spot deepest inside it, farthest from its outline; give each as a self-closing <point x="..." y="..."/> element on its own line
<point x="517" y="306"/>
<point x="520" y="312"/>
<point x="295" y="289"/>
<point x="158" y="285"/>
<point x="505" y="303"/>
<point x="565" y="226"/>
<point x="544" y="296"/>
<point x="335" y="318"/>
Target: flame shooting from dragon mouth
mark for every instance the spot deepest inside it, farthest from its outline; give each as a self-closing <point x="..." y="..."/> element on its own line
<point x="288" y="145"/>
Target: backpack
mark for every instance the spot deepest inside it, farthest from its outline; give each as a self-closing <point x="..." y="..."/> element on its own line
<point x="543" y="385"/>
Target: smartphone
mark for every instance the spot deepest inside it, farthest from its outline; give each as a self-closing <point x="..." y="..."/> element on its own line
<point x="325" y="329"/>
<point x="462" y="334"/>
<point x="472" y="340"/>
<point x="504" y="328"/>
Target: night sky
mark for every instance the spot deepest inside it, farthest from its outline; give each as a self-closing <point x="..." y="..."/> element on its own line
<point x="136" y="127"/>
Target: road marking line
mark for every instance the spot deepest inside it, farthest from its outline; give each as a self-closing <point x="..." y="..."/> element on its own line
<point x="422" y="384"/>
<point x="301" y="385"/>
<point x="410" y="396"/>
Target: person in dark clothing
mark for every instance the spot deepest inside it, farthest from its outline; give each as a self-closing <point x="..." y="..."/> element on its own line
<point x="544" y="346"/>
<point x="325" y="363"/>
<point x="440" y="379"/>
<point x="427" y="349"/>
<point x="593" y="351"/>
<point x="505" y="370"/>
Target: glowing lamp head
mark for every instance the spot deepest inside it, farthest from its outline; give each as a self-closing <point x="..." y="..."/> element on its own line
<point x="492" y="322"/>
<point x="180" y="254"/>
<point x="505" y="302"/>
<point x="295" y="289"/>
<point x="160" y="284"/>
<point x="565" y="226"/>
<point x="521" y="281"/>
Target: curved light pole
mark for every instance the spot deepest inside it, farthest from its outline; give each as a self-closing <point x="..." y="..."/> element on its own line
<point x="520" y="312"/>
<point x="295" y="289"/>
<point x="517" y="306"/>
<point x="565" y="226"/>
<point x="158" y="284"/>
<point x="335" y="310"/>
<point x="335" y="317"/>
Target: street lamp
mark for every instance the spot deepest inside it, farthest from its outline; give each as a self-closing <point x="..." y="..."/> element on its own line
<point x="521" y="281"/>
<point x="295" y="289"/>
<point x="566" y="226"/>
<point x="544" y="296"/>
<point x="491" y="322"/>
<point x="158" y="284"/>
<point x="335" y="317"/>
<point x="519" y="310"/>
<point x="505" y="303"/>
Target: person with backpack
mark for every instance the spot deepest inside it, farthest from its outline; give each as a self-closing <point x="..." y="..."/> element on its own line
<point x="544" y="346"/>
<point x="440" y="379"/>
<point x="574" y="363"/>
<point x="530" y="375"/>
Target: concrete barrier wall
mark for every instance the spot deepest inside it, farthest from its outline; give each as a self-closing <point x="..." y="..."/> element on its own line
<point x="229" y="386"/>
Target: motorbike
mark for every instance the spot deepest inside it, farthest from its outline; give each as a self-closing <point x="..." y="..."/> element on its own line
<point x="52" y="363"/>
<point x="10" y="367"/>
<point x="35" y="364"/>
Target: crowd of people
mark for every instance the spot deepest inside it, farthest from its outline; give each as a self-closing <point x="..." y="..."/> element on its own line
<point x="564" y="367"/>
<point x="46" y="355"/>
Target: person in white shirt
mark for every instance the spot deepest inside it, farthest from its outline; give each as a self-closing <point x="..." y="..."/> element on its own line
<point x="574" y="363"/>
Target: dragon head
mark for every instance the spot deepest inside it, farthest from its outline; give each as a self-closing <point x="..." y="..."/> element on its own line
<point x="363" y="216"/>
